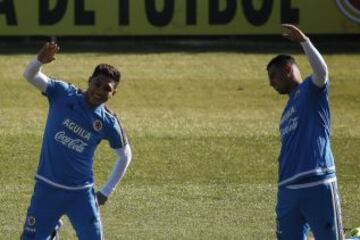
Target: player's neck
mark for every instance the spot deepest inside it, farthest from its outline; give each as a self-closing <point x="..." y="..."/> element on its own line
<point x="293" y="85"/>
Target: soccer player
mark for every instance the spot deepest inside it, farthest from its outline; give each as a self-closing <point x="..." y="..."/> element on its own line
<point x="77" y="122"/>
<point x="307" y="188"/>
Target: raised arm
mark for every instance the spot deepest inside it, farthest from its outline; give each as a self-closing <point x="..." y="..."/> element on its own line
<point x="33" y="73"/>
<point x="120" y="167"/>
<point x="318" y="65"/>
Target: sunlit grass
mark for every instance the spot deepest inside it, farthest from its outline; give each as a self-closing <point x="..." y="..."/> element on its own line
<point x="203" y="130"/>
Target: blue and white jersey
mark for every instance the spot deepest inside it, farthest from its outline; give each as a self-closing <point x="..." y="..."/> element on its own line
<point x="72" y="133"/>
<point x="305" y="136"/>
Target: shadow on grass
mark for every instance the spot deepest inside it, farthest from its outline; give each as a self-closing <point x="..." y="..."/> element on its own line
<point x="130" y="45"/>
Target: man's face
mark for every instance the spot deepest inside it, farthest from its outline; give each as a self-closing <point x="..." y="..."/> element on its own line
<point x="101" y="89"/>
<point x="279" y="78"/>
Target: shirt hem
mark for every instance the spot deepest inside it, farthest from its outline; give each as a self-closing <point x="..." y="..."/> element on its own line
<point x="54" y="184"/>
<point x="312" y="184"/>
<point x="316" y="171"/>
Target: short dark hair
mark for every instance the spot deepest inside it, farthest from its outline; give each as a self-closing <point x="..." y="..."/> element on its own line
<point x="108" y="71"/>
<point x="281" y="60"/>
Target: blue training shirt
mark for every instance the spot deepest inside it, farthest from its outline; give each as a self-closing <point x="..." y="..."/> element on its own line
<point x="305" y="135"/>
<point x="72" y="133"/>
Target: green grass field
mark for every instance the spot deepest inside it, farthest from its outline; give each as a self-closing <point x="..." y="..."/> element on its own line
<point x="203" y="130"/>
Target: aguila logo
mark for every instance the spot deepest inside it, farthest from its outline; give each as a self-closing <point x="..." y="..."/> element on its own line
<point x="350" y="8"/>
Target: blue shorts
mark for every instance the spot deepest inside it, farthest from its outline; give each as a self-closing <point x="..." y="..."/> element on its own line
<point x="316" y="208"/>
<point x="49" y="203"/>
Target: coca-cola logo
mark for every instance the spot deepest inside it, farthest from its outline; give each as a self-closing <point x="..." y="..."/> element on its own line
<point x="350" y="8"/>
<point x="73" y="144"/>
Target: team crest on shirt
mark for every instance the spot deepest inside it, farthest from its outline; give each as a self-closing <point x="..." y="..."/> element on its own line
<point x="97" y="125"/>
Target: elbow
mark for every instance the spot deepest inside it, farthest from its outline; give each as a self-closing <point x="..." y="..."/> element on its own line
<point x="26" y="75"/>
<point x="322" y="76"/>
<point x="325" y="72"/>
<point x="128" y="155"/>
<point x="32" y="69"/>
<point x="29" y="75"/>
<point x="124" y="156"/>
<point x="325" y="75"/>
<point x="320" y="80"/>
<point x="322" y="70"/>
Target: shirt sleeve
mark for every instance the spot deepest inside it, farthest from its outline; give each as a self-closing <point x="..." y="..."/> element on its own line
<point x="56" y="88"/>
<point x="317" y="62"/>
<point x="119" y="169"/>
<point x="33" y="75"/>
<point x="115" y="135"/>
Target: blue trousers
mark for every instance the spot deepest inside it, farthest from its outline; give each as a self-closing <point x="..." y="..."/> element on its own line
<point x="316" y="208"/>
<point x="49" y="203"/>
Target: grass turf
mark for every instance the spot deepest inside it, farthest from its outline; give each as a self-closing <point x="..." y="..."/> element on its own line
<point x="203" y="130"/>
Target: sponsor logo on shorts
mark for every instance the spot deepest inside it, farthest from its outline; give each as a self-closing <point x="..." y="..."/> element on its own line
<point x="31" y="221"/>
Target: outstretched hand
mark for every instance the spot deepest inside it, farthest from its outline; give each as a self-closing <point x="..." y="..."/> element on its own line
<point x="293" y="33"/>
<point x="101" y="198"/>
<point x="47" y="52"/>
